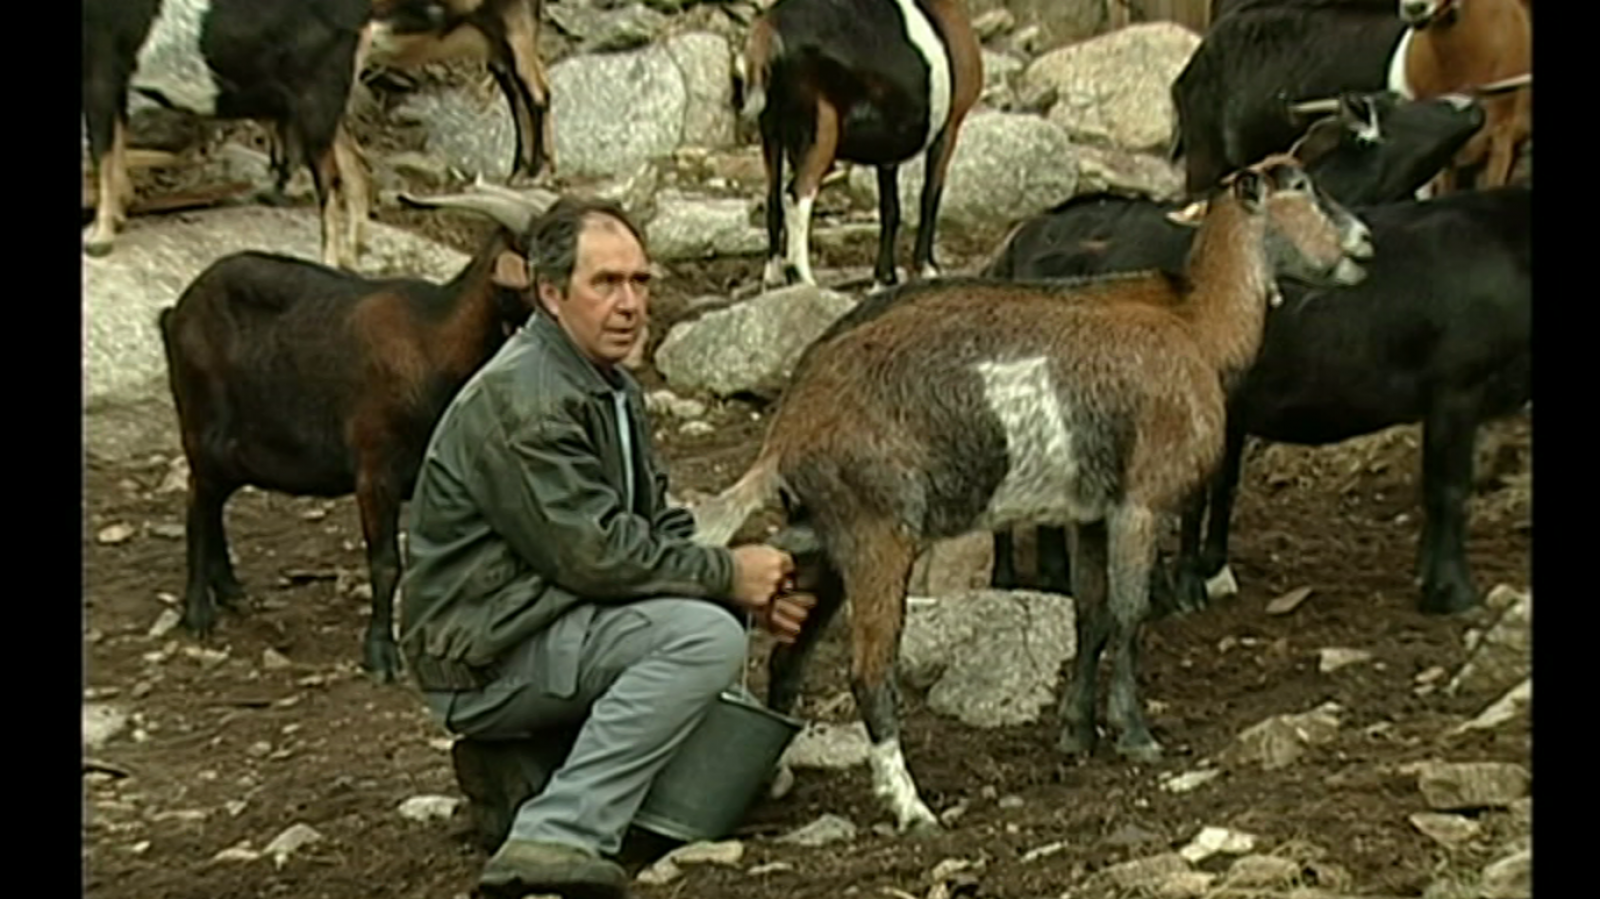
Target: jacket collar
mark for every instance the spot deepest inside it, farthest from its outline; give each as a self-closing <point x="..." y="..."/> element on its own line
<point x="547" y="331"/>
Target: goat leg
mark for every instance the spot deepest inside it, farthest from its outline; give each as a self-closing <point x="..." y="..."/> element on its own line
<point x="1224" y="487"/>
<point x="814" y="162"/>
<point x="888" y="223"/>
<point x="1050" y="551"/>
<point x="939" y="152"/>
<point x="114" y="192"/>
<point x="875" y="577"/>
<point x="1187" y="590"/>
<point x="1502" y="156"/>
<point x="777" y="211"/>
<point x="355" y="190"/>
<point x="786" y="665"/>
<point x="380" y="512"/>
<point x="1132" y="545"/>
<point x="1448" y="435"/>
<point x="1088" y="547"/>
<point x="206" y="554"/>
<point x="330" y="198"/>
<point x="1003" y="576"/>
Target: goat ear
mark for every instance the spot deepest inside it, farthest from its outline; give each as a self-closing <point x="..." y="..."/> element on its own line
<point x="511" y="270"/>
<point x="1189" y="216"/>
<point x="1318" y="141"/>
<point x="1250" y="187"/>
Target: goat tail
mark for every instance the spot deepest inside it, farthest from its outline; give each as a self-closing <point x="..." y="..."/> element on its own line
<point x="761" y="51"/>
<point x="719" y="518"/>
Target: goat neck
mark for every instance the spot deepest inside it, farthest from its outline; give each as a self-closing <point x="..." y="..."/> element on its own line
<point x="1230" y="284"/>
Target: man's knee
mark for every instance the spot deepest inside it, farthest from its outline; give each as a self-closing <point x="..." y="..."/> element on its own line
<point x="700" y="632"/>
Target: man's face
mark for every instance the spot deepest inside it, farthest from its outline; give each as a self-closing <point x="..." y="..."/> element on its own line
<point x="607" y="304"/>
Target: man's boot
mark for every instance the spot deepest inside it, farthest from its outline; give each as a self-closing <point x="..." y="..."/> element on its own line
<point x="520" y="867"/>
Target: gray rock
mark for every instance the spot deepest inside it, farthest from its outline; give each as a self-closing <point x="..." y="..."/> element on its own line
<point x="1281" y="740"/>
<point x="101" y="722"/>
<point x="1469" y="785"/>
<point x="429" y="808"/>
<point x="1000" y="74"/>
<point x="1142" y="873"/>
<point x="725" y="852"/>
<point x="691" y="227"/>
<point x="1262" y="871"/>
<point x="826" y="829"/>
<point x="1114" y="89"/>
<point x="1447" y="830"/>
<point x="1515" y="703"/>
<point x="1214" y="840"/>
<point x="1112" y="170"/>
<point x="1503" y="655"/>
<point x="591" y="135"/>
<point x="991" y="657"/>
<point x="126" y="399"/>
<point x="706" y="62"/>
<point x="749" y="347"/>
<point x="823" y="744"/>
<point x="470" y="128"/>
<point x="607" y="30"/>
<point x="1006" y="167"/>
<point x="954" y="566"/>
<point x="1509" y="878"/>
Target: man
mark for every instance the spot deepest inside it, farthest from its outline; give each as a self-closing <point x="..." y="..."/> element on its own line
<point x="549" y="588"/>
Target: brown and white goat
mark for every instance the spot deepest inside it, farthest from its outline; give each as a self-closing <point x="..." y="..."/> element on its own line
<point x="944" y="407"/>
<point x="869" y="81"/>
<point x="1456" y="45"/>
<point x="311" y="381"/>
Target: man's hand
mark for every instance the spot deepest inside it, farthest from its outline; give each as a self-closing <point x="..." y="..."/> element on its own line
<point x="759" y="571"/>
<point x="787" y="613"/>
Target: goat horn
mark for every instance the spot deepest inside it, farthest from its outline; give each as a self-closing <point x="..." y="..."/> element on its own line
<point x="1307" y="107"/>
<point x="516" y="214"/>
<point x="1506" y="84"/>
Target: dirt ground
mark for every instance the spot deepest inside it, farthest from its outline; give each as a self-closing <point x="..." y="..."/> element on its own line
<point x="229" y="748"/>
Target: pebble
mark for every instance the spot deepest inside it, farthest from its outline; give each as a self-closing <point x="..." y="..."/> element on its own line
<point x="273" y="660"/>
<point x="1214" y="840"/>
<point x="291" y="840"/>
<point x="1189" y="780"/>
<point x="429" y="807"/>
<point x="115" y="534"/>
<point x="827" y="829"/>
<point x="165" y="623"/>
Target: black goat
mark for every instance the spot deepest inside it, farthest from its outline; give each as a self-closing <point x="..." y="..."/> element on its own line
<point x="869" y="81"/>
<point x="290" y="63"/>
<point x="1439" y="333"/>
<point x="1232" y="98"/>
<point x="310" y="381"/>
<point x="1376" y="148"/>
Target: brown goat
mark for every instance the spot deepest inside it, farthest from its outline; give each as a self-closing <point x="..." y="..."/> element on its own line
<point x="964" y="404"/>
<point x="1456" y="45"/>
<point x="311" y="381"/>
<point x="869" y="81"/>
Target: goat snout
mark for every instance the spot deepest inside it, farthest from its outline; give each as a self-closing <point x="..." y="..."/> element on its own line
<point x="1357" y="241"/>
<point x="1348" y="273"/>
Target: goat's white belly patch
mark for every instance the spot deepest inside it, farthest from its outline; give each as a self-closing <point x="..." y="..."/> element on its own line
<point x="925" y="38"/>
<point x="1397" y="66"/>
<point x="170" y="63"/>
<point x="1039" y="484"/>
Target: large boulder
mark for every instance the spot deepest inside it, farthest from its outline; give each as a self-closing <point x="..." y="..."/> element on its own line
<point x="1115" y="89"/>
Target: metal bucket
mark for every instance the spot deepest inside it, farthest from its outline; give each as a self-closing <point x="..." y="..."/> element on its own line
<point x="704" y="792"/>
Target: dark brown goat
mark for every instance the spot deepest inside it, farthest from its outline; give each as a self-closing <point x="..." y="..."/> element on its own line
<point x="966" y="404"/>
<point x="306" y="380"/>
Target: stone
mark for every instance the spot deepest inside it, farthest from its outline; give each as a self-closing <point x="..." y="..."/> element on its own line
<point x="1144" y="872"/>
<point x="823" y="744"/>
<point x="1281" y="740"/>
<point x="1508" y="878"/>
<point x="1333" y="658"/>
<point x="585" y="92"/>
<point x="1268" y="871"/>
<point x="1113" y="89"/>
<point x="829" y="828"/>
<point x="1447" y="830"/>
<point x="429" y="807"/>
<point x="1469" y="785"/>
<point x="1217" y="840"/>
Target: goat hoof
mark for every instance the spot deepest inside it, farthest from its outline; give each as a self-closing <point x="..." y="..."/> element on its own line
<point x="782" y="783"/>
<point x="1448" y="600"/>
<point x="1073" y="743"/>
<point x="923" y="828"/>
<point x="1142" y="748"/>
<point x="382" y="662"/>
<point x="97" y="248"/>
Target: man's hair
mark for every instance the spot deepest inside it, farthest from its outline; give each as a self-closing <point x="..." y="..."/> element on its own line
<point x="553" y="239"/>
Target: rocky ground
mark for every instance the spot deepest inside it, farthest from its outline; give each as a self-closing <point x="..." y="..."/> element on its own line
<point x="1324" y="739"/>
